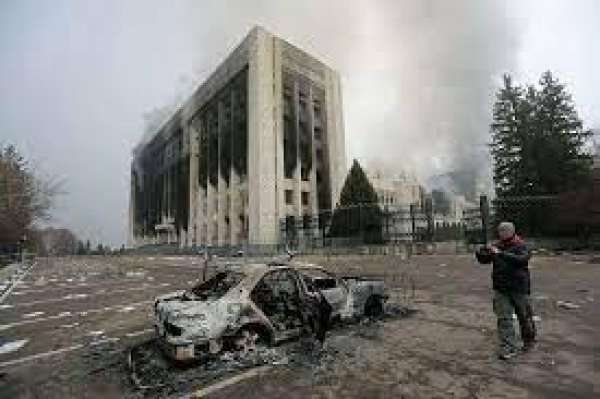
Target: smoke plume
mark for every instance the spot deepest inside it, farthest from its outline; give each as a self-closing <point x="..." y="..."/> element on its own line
<point x="424" y="88"/>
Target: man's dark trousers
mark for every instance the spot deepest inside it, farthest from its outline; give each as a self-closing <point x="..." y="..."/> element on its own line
<point x="505" y="304"/>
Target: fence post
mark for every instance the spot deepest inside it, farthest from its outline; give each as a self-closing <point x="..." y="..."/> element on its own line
<point x="484" y="209"/>
<point x="361" y="225"/>
<point x="429" y="215"/>
<point x="322" y="226"/>
<point x="206" y="256"/>
<point x="282" y="233"/>
<point x="387" y="224"/>
<point x="412" y="222"/>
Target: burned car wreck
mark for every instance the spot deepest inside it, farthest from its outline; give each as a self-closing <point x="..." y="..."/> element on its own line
<point x="243" y="306"/>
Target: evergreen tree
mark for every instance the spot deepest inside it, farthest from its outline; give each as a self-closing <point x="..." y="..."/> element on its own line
<point x="562" y="162"/>
<point x="357" y="214"/>
<point x="527" y="173"/>
<point x="507" y="129"/>
<point x="537" y="140"/>
<point x="357" y="188"/>
<point x="538" y="148"/>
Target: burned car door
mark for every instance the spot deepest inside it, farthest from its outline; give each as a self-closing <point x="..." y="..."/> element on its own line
<point x="277" y="295"/>
<point x="333" y="289"/>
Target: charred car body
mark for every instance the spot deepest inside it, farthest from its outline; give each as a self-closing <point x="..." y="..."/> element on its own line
<point x="242" y="306"/>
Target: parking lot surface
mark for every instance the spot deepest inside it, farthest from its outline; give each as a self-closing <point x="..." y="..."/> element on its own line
<point x="68" y="325"/>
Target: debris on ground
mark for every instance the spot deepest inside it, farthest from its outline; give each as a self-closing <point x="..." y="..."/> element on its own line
<point x="157" y="376"/>
<point x="567" y="305"/>
<point x="11" y="346"/>
<point x="153" y="373"/>
<point x="135" y="274"/>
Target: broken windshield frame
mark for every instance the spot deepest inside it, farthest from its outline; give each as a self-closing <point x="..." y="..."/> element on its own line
<point x="319" y="279"/>
<point x="217" y="286"/>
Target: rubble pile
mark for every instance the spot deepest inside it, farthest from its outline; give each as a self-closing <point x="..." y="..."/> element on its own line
<point x="154" y="374"/>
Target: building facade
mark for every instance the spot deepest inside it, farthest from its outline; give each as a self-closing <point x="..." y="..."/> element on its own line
<point x="261" y="140"/>
<point x="400" y="190"/>
<point x="405" y="203"/>
<point x="401" y="197"/>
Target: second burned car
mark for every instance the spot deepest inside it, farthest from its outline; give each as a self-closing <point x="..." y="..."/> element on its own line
<point x="243" y="306"/>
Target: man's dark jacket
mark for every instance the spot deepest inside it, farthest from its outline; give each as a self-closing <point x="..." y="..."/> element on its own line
<point x="511" y="266"/>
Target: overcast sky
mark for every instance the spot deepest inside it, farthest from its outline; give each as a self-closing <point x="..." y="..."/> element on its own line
<point x="77" y="77"/>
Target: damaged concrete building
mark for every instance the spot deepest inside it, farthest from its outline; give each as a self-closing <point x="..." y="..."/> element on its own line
<point x="261" y="140"/>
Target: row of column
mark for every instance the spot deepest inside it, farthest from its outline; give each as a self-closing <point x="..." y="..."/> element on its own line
<point x="218" y="214"/>
<point x="299" y="210"/>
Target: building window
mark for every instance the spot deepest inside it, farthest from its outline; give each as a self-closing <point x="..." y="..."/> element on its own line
<point x="289" y="197"/>
<point x="317" y="109"/>
<point x="304" y="173"/>
<point x="305" y="197"/>
<point x="317" y="133"/>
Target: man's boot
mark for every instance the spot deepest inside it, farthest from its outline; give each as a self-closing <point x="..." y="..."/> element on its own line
<point x="528" y="346"/>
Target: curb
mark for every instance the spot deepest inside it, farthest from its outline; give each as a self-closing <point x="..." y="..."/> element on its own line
<point x="14" y="280"/>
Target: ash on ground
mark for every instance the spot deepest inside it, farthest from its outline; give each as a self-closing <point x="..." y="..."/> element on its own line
<point x="156" y="376"/>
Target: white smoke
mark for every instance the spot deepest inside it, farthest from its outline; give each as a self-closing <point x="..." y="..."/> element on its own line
<point x="425" y="83"/>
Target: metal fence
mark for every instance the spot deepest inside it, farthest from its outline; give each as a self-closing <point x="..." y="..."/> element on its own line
<point x="370" y="225"/>
<point x="7" y="258"/>
<point x="563" y="217"/>
<point x="565" y="220"/>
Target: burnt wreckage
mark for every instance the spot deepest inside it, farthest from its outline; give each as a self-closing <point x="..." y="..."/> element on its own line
<point x="259" y="303"/>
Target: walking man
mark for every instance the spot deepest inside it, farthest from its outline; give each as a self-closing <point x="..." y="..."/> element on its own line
<point x="512" y="287"/>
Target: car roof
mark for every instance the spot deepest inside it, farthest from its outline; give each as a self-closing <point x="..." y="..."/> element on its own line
<point x="254" y="272"/>
<point x="257" y="270"/>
